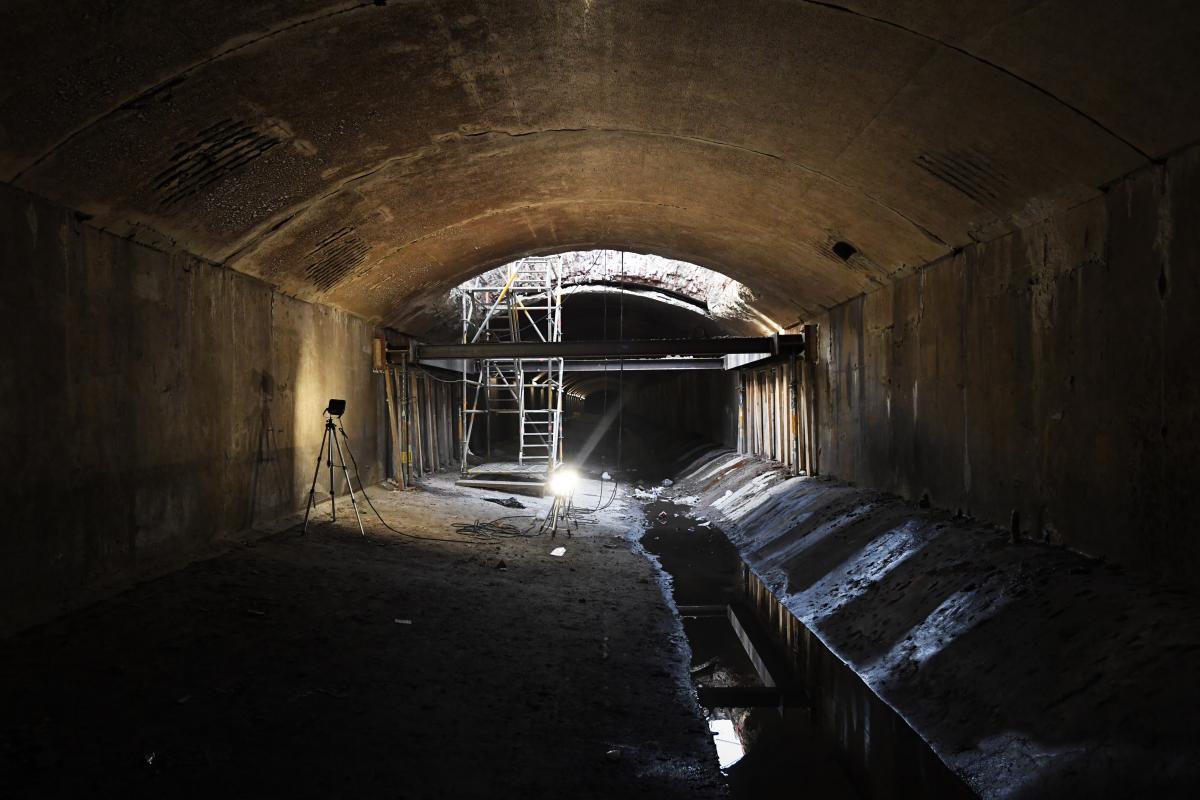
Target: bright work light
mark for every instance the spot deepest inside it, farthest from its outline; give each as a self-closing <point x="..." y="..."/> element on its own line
<point x="562" y="482"/>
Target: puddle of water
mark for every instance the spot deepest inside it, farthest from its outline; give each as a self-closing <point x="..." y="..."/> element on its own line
<point x="760" y="752"/>
<point x="704" y="566"/>
<point x="729" y="746"/>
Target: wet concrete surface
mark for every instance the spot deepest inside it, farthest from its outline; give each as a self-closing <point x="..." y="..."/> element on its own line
<point x="1030" y="670"/>
<point x="338" y="665"/>
<point x="785" y="756"/>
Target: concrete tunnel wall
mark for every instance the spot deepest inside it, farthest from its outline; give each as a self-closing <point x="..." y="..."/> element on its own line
<point x="371" y="156"/>
<point x="943" y="659"/>
<point x="1046" y="372"/>
<point x="154" y="403"/>
<point x="1011" y="333"/>
<point x="1051" y="373"/>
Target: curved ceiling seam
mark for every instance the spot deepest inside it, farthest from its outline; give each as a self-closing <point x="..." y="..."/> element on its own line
<point x="790" y="163"/>
<point x="633" y="246"/>
<point x="991" y="65"/>
<point x="182" y="74"/>
<point x="639" y="132"/>
<point x="805" y="312"/>
<point x="768" y="232"/>
<point x="298" y="212"/>
<point x="884" y="107"/>
<point x="833" y="7"/>
<point x="630" y="282"/>
<point x="493" y="212"/>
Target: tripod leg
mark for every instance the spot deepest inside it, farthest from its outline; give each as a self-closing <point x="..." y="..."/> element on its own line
<point x="312" y="491"/>
<point x="345" y="440"/>
<point x="332" y="483"/>
<point x="349" y="483"/>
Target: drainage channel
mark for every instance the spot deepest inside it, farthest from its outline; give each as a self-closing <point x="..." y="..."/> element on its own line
<point x="759" y="717"/>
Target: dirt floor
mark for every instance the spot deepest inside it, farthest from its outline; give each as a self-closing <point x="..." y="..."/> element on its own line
<point x="336" y="665"/>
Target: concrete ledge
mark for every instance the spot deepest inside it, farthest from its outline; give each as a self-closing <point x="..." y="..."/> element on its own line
<point x="1029" y="670"/>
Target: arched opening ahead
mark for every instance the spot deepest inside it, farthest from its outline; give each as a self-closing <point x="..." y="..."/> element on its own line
<point x="616" y="414"/>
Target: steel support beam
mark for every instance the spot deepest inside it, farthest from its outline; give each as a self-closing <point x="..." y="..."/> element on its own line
<point x="609" y="365"/>
<point x="615" y="348"/>
<point x="645" y="364"/>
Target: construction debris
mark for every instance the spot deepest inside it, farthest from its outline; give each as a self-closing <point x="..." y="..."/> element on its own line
<point x="507" y="502"/>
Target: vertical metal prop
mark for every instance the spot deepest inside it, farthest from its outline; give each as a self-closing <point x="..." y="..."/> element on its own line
<point x="810" y="381"/>
<point x="418" y="437"/>
<point x="406" y="428"/>
<point x="795" y="416"/>
<point x="743" y="437"/>
<point x="393" y="423"/>
<point x="401" y="453"/>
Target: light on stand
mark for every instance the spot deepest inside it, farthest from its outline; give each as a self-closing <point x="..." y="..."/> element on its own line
<point x="561" y="485"/>
<point x="563" y="482"/>
<point x="331" y="446"/>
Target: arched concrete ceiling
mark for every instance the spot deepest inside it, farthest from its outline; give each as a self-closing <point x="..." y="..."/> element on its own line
<point x="370" y="155"/>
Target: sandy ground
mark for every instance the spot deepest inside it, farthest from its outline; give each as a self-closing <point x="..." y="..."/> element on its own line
<point x="336" y="665"/>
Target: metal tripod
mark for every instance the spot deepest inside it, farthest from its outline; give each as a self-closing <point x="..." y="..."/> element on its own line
<point x="562" y="512"/>
<point x="330" y="442"/>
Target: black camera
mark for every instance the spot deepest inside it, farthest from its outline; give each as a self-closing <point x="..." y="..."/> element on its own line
<point x="336" y="408"/>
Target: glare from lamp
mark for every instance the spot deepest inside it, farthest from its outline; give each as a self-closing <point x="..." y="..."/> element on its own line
<point x="562" y="482"/>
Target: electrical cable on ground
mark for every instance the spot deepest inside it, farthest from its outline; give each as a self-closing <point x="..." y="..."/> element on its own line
<point x="497" y="528"/>
<point x="367" y="497"/>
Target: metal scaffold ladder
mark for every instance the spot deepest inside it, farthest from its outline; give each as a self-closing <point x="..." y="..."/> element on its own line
<point x="521" y="303"/>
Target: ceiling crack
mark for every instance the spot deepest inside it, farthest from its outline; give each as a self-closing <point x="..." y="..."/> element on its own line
<point x="991" y="65"/>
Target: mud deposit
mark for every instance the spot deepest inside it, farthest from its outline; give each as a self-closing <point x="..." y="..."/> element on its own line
<point x="342" y="666"/>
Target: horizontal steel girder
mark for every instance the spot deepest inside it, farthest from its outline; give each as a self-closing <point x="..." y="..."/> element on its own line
<point x="595" y="365"/>
<point x="613" y="348"/>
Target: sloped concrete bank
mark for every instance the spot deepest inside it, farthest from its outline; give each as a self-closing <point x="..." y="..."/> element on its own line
<point x="926" y="640"/>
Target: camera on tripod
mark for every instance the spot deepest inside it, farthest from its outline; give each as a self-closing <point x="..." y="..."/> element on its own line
<point x="331" y="443"/>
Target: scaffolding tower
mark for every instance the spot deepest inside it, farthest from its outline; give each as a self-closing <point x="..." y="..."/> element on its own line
<point x="521" y="303"/>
